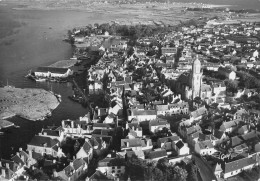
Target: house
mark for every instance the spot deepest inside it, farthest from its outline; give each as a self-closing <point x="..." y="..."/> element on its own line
<point x="22" y="158"/>
<point x="204" y="148"/>
<point x="137" y="153"/>
<point x="86" y="151"/>
<point x="173" y="109"/>
<point x="112" y="167"/>
<point x="218" y="170"/>
<point x="243" y="130"/>
<point x="73" y="171"/>
<point x="229" y="126"/>
<point x="157" y="125"/>
<point x="227" y="73"/>
<point x="44" y="145"/>
<point x="182" y="148"/>
<point x="170" y="60"/>
<point x="219" y="135"/>
<point x="135" y="128"/>
<point x="235" y="167"/>
<point x="142" y="115"/>
<point x="199" y="113"/>
<point x="169" y="51"/>
<point x="96" y="87"/>
<point x="136" y="144"/>
<point x="53" y="72"/>
<point x="103" y="126"/>
<point x="8" y="169"/>
<point x="98" y="176"/>
<point x="157" y="155"/>
<point x="53" y="133"/>
<point x="170" y="139"/>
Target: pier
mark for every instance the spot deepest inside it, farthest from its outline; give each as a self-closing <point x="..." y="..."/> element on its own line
<point x="85" y="99"/>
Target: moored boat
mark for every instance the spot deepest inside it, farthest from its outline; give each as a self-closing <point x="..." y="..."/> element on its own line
<point x="37" y="79"/>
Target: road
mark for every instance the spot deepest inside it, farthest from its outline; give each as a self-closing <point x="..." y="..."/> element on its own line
<point x="204" y="169"/>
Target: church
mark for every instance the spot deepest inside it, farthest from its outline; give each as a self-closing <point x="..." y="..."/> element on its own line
<point x="190" y="86"/>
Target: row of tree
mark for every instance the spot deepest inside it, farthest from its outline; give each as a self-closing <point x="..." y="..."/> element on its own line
<point x="139" y="169"/>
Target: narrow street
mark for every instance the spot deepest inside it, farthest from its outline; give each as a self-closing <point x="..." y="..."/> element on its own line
<point x="204" y="169"/>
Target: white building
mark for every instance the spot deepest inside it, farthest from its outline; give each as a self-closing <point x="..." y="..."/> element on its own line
<point x="53" y="72"/>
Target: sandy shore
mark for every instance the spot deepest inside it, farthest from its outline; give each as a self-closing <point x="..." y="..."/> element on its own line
<point x="31" y="104"/>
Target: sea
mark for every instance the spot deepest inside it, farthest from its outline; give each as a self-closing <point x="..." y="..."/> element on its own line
<point x="33" y="38"/>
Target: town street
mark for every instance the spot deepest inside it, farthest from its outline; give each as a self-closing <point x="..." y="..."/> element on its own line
<point x="204" y="169"/>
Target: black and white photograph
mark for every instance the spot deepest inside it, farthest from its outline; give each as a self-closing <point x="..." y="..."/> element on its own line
<point x="129" y="90"/>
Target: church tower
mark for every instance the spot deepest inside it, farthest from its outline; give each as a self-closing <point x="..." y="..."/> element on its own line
<point x="196" y="78"/>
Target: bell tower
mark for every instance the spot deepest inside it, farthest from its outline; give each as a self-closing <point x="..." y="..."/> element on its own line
<point x="196" y="78"/>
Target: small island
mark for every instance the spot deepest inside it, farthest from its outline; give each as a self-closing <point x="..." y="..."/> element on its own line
<point x="29" y="103"/>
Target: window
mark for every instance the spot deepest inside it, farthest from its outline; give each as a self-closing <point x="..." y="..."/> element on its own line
<point x="119" y="171"/>
<point x="231" y="173"/>
<point x="118" y="167"/>
<point x="113" y="167"/>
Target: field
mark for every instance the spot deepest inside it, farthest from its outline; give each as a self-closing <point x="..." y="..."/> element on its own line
<point x="138" y="13"/>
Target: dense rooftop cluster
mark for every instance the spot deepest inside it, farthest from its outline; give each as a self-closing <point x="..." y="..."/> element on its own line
<point x="177" y="101"/>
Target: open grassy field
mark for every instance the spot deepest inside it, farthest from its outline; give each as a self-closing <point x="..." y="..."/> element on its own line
<point x="138" y="13"/>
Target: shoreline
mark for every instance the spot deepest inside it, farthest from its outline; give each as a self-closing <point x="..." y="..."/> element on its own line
<point x="27" y="103"/>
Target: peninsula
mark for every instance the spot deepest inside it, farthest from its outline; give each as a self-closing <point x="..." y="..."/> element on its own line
<point x="31" y="104"/>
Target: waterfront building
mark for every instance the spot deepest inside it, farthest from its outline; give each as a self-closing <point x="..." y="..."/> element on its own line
<point x="53" y="72"/>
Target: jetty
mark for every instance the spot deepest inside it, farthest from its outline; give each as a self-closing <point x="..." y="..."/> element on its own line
<point x="29" y="103"/>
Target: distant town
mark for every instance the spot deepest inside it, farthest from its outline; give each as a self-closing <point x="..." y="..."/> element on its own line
<point x="164" y="103"/>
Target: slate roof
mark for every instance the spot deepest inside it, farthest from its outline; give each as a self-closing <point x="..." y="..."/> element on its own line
<point x="251" y="135"/>
<point x="236" y="141"/>
<point x="162" y="107"/>
<point x="179" y="144"/>
<point x="199" y="112"/>
<point x="41" y="140"/>
<point x="218" y="134"/>
<point x="132" y="142"/>
<point x="87" y="146"/>
<point x="157" y="154"/>
<point x="158" y="123"/>
<point x="193" y="129"/>
<point x="98" y="176"/>
<point x="52" y="70"/>
<point x="111" y="162"/>
<point x="50" y="132"/>
<point x="168" y="139"/>
<point x="205" y="144"/>
<point x="143" y="112"/>
<point x="238" y="164"/>
<point x="138" y="153"/>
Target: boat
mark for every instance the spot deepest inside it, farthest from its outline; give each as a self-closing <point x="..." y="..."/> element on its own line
<point x="37" y="79"/>
<point x="58" y="97"/>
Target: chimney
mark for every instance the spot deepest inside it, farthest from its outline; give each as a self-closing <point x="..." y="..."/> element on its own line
<point x="7" y="165"/>
<point x="17" y="153"/>
<point x="127" y="144"/>
<point x="72" y="124"/>
<point x="30" y="153"/>
<point x="63" y="124"/>
<point x="22" y="157"/>
<point x="54" y="161"/>
<point x="71" y="164"/>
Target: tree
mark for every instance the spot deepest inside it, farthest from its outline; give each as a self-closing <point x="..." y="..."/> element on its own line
<point x="232" y="86"/>
<point x="192" y="172"/>
<point x="180" y="174"/>
<point x="157" y="174"/>
<point x="162" y="164"/>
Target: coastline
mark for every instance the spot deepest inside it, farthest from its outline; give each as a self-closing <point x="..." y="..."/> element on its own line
<point x="27" y="103"/>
